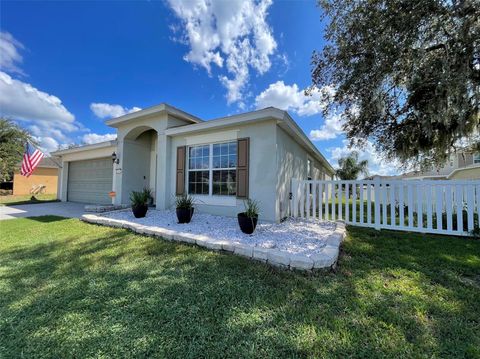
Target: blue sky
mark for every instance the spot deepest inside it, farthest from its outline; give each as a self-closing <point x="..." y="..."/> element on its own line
<point x="68" y="66"/>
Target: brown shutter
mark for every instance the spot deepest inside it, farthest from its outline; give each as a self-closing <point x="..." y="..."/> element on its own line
<point x="243" y="154"/>
<point x="180" y="185"/>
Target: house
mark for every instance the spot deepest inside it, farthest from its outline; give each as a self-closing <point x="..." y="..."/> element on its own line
<point x="463" y="164"/>
<point x="221" y="161"/>
<point x="43" y="179"/>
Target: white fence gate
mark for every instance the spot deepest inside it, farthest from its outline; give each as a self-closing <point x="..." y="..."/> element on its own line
<point x="444" y="207"/>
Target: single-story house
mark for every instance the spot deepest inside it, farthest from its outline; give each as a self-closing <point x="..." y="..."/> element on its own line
<point x="44" y="179"/>
<point x="220" y="162"/>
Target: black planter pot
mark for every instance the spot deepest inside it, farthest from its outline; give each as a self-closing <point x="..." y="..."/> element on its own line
<point x="247" y="224"/>
<point x="184" y="215"/>
<point x="140" y="211"/>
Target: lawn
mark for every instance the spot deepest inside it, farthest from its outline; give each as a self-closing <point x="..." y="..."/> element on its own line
<point x="69" y="289"/>
<point x="13" y="200"/>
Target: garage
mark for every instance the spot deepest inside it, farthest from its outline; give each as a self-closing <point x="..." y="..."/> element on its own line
<point x="90" y="181"/>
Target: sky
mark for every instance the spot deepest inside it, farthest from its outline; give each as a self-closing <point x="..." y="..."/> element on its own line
<point x="66" y="66"/>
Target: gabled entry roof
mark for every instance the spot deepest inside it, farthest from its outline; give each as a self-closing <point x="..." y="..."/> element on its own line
<point x="163" y="108"/>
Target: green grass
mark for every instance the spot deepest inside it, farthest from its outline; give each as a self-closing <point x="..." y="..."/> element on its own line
<point x="69" y="289"/>
<point x="14" y="200"/>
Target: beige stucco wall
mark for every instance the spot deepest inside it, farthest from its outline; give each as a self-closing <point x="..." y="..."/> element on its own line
<point x="41" y="176"/>
<point x="292" y="164"/>
<point x="466" y="173"/>
<point x="262" y="170"/>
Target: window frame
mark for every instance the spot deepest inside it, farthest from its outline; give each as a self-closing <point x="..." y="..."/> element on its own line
<point x="210" y="170"/>
<point x="477" y="160"/>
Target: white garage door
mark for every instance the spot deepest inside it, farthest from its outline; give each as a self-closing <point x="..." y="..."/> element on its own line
<point x="90" y="181"/>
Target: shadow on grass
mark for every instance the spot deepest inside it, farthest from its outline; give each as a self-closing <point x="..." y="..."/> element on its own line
<point x="106" y="292"/>
<point x="47" y="219"/>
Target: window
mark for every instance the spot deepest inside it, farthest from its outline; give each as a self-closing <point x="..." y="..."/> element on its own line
<point x="476" y="157"/>
<point x="212" y="169"/>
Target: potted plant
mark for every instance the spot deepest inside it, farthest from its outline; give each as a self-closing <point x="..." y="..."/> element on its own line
<point x="248" y="220"/>
<point x="139" y="200"/>
<point x="184" y="205"/>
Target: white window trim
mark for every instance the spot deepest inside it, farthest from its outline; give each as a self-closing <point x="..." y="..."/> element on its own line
<point x="210" y="199"/>
<point x="476" y="161"/>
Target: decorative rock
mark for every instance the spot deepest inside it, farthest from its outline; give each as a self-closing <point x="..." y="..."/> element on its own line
<point x="322" y="261"/>
<point x="260" y="254"/>
<point x="277" y="257"/>
<point x="301" y="262"/>
<point x="212" y="244"/>
<point x="228" y="246"/>
<point x="335" y="239"/>
<point x="243" y="250"/>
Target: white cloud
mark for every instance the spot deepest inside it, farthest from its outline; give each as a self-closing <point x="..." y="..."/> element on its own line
<point x="105" y="110"/>
<point x="47" y="144"/>
<point x="233" y="33"/>
<point x="376" y="165"/>
<point x="43" y="114"/>
<point x="91" y="138"/>
<point x="291" y="98"/>
<point x="10" y="55"/>
<point x="331" y="128"/>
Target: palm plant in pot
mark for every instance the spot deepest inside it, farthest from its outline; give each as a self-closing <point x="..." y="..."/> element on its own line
<point x="248" y="220"/>
<point x="139" y="201"/>
<point x="184" y="205"/>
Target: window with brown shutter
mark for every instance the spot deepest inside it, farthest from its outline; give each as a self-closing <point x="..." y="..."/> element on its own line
<point x="180" y="179"/>
<point x="243" y="146"/>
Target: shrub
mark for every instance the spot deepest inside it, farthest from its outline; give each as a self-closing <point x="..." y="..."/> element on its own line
<point x="251" y="208"/>
<point x="184" y="201"/>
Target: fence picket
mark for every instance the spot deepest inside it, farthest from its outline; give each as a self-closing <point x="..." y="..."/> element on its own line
<point x="361" y="203"/>
<point x="369" y="204"/>
<point x="448" y="207"/>
<point x="439" y="206"/>
<point x="459" y="203"/>
<point x="347" y="202"/>
<point x="410" y="205"/>
<point x="419" y="207"/>
<point x="354" y="203"/>
<point x="401" y="209"/>
<point x="470" y="206"/>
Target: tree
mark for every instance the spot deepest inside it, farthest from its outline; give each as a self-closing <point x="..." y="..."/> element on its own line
<point x="12" y="146"/>
<point x="406" y="73"/>
<point x="350" y="168"/>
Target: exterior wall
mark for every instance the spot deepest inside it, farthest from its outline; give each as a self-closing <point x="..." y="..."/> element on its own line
<point x="262" y="169"/>
<point x="467" y="173"/>
<point x="41" y="176"/>
<point x="137" y="165"/>
<point x="292" y="162"/>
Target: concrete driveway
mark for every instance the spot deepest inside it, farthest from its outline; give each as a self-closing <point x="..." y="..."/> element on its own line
<point x="63" y="209"/>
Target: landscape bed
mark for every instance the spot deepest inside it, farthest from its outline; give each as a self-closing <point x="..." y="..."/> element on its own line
<point x="295" y="243"/>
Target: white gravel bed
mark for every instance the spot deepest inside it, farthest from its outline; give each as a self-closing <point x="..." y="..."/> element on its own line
<point x="294" y="235"/>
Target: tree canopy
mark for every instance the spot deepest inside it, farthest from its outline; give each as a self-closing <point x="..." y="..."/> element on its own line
<point x="351" y="168"/>
<point x="406" y="73"/>
<point x="12" y="146"/>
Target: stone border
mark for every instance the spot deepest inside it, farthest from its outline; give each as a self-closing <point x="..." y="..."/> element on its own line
<point x="99" y="208"/>
<point x="327" y="258"/>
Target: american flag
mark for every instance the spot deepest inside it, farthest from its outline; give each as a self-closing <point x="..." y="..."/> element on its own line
<point x="31" y="159"/>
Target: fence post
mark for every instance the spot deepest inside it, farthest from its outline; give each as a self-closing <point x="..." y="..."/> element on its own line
<point x="376" y="186"/>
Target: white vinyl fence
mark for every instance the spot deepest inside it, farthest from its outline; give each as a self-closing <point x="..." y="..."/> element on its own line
<point x="429" y="206"/>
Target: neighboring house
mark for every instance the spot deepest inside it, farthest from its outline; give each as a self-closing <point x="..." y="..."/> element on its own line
<point x="44" y="179"/>
<point x="462" y="165"/>
<point x="221" y="162"/>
